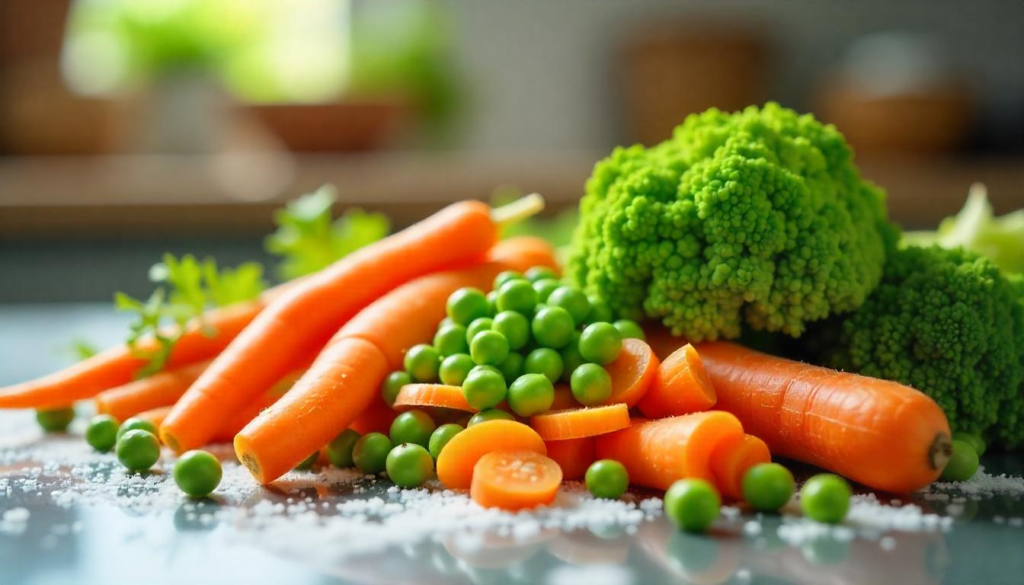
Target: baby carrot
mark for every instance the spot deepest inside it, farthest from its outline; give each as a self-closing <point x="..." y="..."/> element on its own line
<point x="237" y="421"/>
<point x="882" y="434"/>
<point x="731" y="460"/>
<point x="632" y="372"/>
<point x="680" y="386"/>
<point x="657" y="453"/>
<point x="515" y="480"/>
<point x="160" y="389"/>
<point x="435" y="395"/>
<point x="456" y="463"/>
<point x="574" y="456"/>
<point x="155" y="415"/>
<point x="576" y="423"/>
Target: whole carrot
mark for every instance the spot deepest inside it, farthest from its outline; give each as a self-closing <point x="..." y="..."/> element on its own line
<point x="161" y="389"/>
<point x="155" y="415"/>
<point x="311" y="312"/>
<point x="882" y="434"/>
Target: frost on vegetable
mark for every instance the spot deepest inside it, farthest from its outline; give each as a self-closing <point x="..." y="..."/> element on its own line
<point x="758" y="218"/>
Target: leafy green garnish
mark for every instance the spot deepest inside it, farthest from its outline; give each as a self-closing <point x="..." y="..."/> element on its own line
<point x="309" y="239"/>
<point x="83" y="349"/>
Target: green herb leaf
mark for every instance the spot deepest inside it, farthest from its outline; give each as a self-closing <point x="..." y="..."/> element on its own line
<point x="83" y="349"/>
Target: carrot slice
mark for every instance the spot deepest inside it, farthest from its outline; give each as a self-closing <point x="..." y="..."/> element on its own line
<point x="681" y="386"/>
<point x="560" y="425"/>
<point x="459" y="456"/>
<point x="731" y="459"/>
<point x="564" y="400"/>
<point x="161" y="389"/>
<point x="574" y="456"/>
<point x="632" y="372"/>
<point x="657" y="453"/>
<point x="515" y="480"/>
<point x="437" y="395"/>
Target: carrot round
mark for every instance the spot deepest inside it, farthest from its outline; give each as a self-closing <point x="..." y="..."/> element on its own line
<point x="576" y="423"/>
<point x="515" y="480"/>
<point x="879" y="433"/>
<point x="632" y="372"/>
<point x="160" y="389"/>
<point x="339" y="386"/>
<point x="680" y="386"/>
<point x="436" y="395"/>
<point x="459" y="456"/>
<point x="657" y="453"/>
<point x="731" y="460"/>
<point x="155" y="415"/>
<point x="574" y="456"/>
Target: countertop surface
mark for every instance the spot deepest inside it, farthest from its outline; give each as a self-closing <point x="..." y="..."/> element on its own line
<point x="71" y="516"/>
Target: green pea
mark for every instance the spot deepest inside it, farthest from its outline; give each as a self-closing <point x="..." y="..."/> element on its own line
<point x="197" y="473"/>
<point x="600" y="312"/>
<point x="370" y="452"/>
<point x="55" y="420"/>
<point x="136" y="424"/>
<point x="409" y="465"/>
<point x="455" y="368"/>
<point x="963" y="463"/>
<point x="480" y="368"/>
<point x="512" y="367"/>
<point x="506" y="276"/>
<point x="484" y="389"/>
<point x="392" y="385"/>
<point x="768" y="486"/>
<point x="630" y="329"/>
<point x="440" y="437"/>
<point x="545" y="361"/>
<point x="531" y="394"/>
<point x="591" y="385"/>
<point x="553" y="327"/>
<point x="339" y="450"/>
<point x="544" y="288"/>
<point x="422" y="362"/>
<point x="492" y="303"/>
<point x="600" y="343"/>
<point x="101" y="433"/>
<point x="976" y="442"/>
<point x="692" y="504"/>
<point x="451" y="339"/>
<point x="517" y="295"/>
<point x="489" y="348"/>
<point x="412" y="426"/>
<point x="489" y="415"/>
<point x="514" y="326"/>
<point x="825" y="498"/>
<point x="538" y="273"/>
<point x="572" y="300"/>
<point x="607" y="478"/>
<point x="138" y="450"/>
<point x="477" y="327"/>
<point x="467" y="304"/>
<point x="571" y="358"/>
<point x="307" y="463"/>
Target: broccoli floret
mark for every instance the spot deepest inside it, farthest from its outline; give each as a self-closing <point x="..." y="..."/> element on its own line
<point x="758" y="217"/>
<point x="948" y="323"/>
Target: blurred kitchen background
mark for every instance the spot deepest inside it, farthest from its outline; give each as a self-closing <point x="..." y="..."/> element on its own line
<point x="133" y="127"/>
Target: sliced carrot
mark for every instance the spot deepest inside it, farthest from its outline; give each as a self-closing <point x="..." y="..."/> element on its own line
<point x="632" y="372"/>
<point x="576" y="423"/>
<point x="459" y="456"/>
<point x="161" y="389"/>
<point x="574" y="456"/>
<point x="155" y="415"/>
<point x="661" y="340"/>
<point x="731" y="459"/>
<point x="436" y="395"/>
<point x="377" y="418"/>
<point x="564" y="400"/>
<point x="657" y="453"/>
<point x="681" y="386"/>
<point x="515" y="480"/>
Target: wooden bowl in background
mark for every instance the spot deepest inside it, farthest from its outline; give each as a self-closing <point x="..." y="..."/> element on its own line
<point x="344" y="126"/>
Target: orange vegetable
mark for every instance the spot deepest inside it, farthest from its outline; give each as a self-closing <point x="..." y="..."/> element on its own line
<point x="632" y="372"/>
<point x="680" y="386"/>
<point x="458" y="458"/>
<point x="731" y="460"/>
<point x="576" y="423"/>
<point x="155" y="415"/>
<point x="377" y="418"/>
<point x="564" y="400"/>
<point x="160" y="389"/>
<point x="515" y="480"/>
<point x="657" y="453"/>
<point x="437" y="395"/>
<point x="338" y="387"/>
<point x="311" y="312"/>
<point x="574" y="456"/>
<point x="882" y="434"/>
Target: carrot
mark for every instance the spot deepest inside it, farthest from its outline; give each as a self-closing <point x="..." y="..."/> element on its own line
<point x="882" y="434"/>
<point x="377" y="418"/>
<point x="576" y="423"/>
<point x="661" y="340"/>
<point x="657" y="453"/>
<point x="307" y="316"/>
<point x="161" y="389"/>
<point x="632" y="372"/>
<point x="436" y="395"/>
<point x="515" y="480"/>
<point x="680" y="386"/>
<point x="564" y="400"/>
<point x="731" y="460"/>
<point x="236" y="422"/>
<point x="457" y="460"/>
<point x="574" y="456"/>
<point x="155" y="415"/>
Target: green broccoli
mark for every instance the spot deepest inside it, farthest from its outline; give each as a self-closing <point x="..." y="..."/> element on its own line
<point x="948" y="323"/>
<point x="758" y="217"/>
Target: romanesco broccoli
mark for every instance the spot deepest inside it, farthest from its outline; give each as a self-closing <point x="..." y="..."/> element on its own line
<point x="758" y="217"/>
